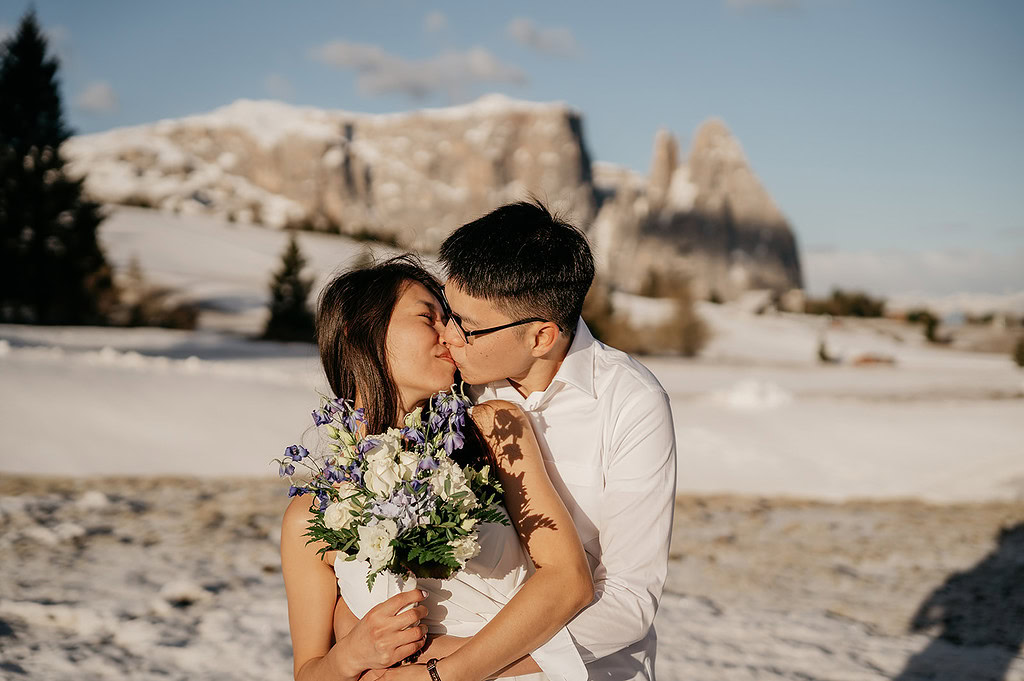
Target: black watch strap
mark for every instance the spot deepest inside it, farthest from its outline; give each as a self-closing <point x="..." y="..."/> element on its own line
<point x="432" y="668"/>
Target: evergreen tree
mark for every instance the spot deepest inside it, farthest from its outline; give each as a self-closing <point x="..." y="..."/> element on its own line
<point x="52" y="270"/>
<point x="290" y="317"/>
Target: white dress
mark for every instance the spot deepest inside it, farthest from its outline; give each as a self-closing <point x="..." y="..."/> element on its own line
<point x="463" y="603"/>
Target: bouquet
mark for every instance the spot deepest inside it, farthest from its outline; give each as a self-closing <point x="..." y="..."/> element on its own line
<point x="396" y="499"/>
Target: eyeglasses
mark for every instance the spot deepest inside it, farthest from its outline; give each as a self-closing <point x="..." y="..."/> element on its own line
<point x="446" y="308"/>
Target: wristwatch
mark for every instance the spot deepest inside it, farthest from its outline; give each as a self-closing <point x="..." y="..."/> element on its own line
<point x="432" y="668"/>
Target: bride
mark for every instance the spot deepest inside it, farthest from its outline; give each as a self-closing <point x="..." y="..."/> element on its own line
<point x="378" y="331"/>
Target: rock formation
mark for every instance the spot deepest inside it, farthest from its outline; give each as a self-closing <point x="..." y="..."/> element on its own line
<point x="411" y="178"/>
<point x="709" y="220"/>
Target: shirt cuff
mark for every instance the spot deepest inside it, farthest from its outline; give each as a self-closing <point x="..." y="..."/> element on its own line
<point x="560" y="659"/>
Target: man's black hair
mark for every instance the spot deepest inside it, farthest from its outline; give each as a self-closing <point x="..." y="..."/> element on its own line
<point x="525" y="260"/>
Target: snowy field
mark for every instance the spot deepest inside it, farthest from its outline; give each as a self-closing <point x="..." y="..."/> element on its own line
<point x="103" y="580"/>
<point x="756" y="414"/>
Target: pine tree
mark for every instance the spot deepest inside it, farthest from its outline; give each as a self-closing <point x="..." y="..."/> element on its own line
<point x="52" y="270"/>
<point x="290" y="317"/>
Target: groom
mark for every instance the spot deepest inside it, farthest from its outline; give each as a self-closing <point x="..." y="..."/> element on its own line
<point x="516" y="281"/>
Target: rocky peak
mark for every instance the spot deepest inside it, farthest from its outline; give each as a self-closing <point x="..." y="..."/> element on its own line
<point x="726" y="186"/>
<point x="664" y="161"/>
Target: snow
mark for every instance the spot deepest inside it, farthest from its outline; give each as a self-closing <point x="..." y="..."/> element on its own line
<point x="755" y="414"/>
<point x="114" y="581"/>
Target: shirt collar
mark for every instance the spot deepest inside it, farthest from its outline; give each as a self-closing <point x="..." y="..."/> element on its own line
<point x="577" y="369"/>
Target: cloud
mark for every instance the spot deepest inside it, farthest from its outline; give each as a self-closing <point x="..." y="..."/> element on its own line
<point x="97" y="98"/>
<point x="278" y="86"/>
<point x="932" y="272"/>
<point x="435" y="22"/>
<point x="451" y="73"/>
<point x="558" y="42"/>
<point x="762" y="4"/>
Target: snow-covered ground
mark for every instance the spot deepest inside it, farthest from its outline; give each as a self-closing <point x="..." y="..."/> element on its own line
<point x="150" y="577"/>
<point x="755" y="414"/>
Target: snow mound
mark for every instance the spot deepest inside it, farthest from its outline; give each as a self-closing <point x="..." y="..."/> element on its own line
<point x="752" y="394"/>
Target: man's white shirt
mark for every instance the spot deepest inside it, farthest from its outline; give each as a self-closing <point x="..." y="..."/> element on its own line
<point x="606" y="434"/>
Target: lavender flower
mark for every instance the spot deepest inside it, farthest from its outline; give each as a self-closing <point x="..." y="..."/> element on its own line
<point x="413" y="435"/>
<point x="320" y="417"/>
<point x="296" y="452"/>
<point x="452" y="441"/>
<point x="286" y="469"/>
<point x="294" y="491"/>
<point x="366" y="445"/>
<point x="406" y="509"/>
<point x="427" y="464"/>
<point x="436" y="421"/>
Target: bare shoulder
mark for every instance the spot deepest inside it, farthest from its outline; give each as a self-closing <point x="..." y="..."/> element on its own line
<point x="296" y="517"/>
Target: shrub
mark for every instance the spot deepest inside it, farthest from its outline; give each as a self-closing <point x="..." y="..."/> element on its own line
<point x="846" y="304"/>
<point x="290" y="316"/>
<point x="140" y="303"/>
<point x="683" y="332"/>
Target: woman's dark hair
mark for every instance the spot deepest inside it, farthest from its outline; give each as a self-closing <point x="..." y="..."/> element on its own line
<point x="352" y="317"/>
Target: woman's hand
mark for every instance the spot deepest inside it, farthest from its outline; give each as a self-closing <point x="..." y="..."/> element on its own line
<point x="383" y="637"/>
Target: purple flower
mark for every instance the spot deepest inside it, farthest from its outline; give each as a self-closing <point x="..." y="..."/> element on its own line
<point x="296" y="452"/>
<point x="427" y="464"/>
<point x="366" y="445"/>
<point x="405" y="508"/>
<point x="355" y="474"/>
<point x="320" y="417"/>
<point x="323" y="499"/>
<point x="452" y="441"/>
<point x="332" y="473"/>
<point x="413" y="435"/>
<point x="286" y="469"/>
<point x="294" y="491"/>
<point x="458" y="420"/>
<point x="351" y="418"/>
<point x="436" y="421"/>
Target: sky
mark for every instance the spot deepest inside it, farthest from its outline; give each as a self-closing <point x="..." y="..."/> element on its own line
<point x="890" y="130"/>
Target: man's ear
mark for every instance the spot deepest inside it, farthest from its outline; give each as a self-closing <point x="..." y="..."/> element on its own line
<point x="544" y="339"/>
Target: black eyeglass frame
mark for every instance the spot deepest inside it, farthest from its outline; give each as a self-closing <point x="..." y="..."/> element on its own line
<point x="446" y="308"/>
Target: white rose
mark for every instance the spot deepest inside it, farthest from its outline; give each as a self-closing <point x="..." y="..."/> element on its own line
<point x="381" y="476"/>
<point x="338" y="515"/>
<point x="465" y="548"/>
<point x="446" y="472"/>
<point x="375" y="543"/>
<point x="407" y="462"/>
<point x="388" y="445"/>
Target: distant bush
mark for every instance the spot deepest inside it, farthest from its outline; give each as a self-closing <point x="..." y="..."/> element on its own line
<point x="290" y="316"/>
<point x="846" y="304"/>
<point x="140" y="303"/>
<point x="683" y="332"/>
<point x="928" y="320"/>
<point x="1018" y="352"/>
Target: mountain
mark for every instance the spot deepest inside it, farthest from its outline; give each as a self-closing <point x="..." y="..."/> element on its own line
<point x="709" y="217"/>
<point x="410" y="178"/>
